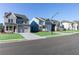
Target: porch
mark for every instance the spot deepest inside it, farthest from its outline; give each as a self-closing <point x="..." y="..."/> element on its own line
<point x="10" y="28"/>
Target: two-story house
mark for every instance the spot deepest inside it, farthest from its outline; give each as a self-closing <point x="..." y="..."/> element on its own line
<point x="37" y="24"/>
<point x="15" y="23"/>
<point x="70" y="25"/>
<point x="41" y="24"/>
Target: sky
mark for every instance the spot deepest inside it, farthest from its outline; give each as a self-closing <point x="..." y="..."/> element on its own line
<point x="46" y="10"/>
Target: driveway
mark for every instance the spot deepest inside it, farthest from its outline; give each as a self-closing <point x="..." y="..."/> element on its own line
<point x="30" y="36"/>
<point x="64" y="45"/>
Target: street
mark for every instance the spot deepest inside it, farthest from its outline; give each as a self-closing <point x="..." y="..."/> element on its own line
<point x="63" y="45"/>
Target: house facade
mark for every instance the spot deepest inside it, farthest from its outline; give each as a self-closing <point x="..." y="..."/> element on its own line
<point x="76" y="24"/>
<point x="19" y="23"/>
<point x="41" y="24"/>
<point x="70" y="25"/>
<point x="15" y="23"/>
<point x="57" y="25"/>
<point x="37" y="24"/>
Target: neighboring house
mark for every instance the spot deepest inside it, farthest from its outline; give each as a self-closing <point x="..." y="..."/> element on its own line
<point x="15" y="23"/>
<point x="49" y="25"/>
<point x="41" y="24"/>
<point x="70" y="25"/>
<point x="67" y="25"/>
<point x="37" y="24"/>
<point x="77" y="24"/>
<point x="57" y="25"/>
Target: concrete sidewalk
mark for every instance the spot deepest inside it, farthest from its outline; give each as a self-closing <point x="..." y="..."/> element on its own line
<point x="30" y="36"/>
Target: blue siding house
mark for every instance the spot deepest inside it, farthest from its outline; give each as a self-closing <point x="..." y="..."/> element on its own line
<point x="41" y="24"/>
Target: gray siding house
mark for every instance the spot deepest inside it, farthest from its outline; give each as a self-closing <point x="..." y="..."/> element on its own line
<point x="15" y="23"/>
<point x="57" y="25"/>
<point x="41" y="24"/>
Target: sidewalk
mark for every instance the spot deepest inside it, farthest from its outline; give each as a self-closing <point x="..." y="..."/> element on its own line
<point x="30" y="36"/>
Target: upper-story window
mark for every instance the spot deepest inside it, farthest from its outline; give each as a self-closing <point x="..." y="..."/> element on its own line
<point x="19" y="20"/>
<point x="10" y="20"/>
<point x="41" y="22"/>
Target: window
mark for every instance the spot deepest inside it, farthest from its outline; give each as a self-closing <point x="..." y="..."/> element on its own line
<point x="10" y="20"/>
<point x="19" y="21"/>
<point x="41" y="22"/>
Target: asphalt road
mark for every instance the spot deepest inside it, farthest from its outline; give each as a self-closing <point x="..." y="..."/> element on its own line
<point x="65" y="45"/>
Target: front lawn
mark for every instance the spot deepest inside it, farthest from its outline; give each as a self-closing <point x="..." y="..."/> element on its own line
<point x="70" y="31"/>
<point x="57" y="33"/>
<point x="10" y="36"/>
<point x="46" y="33"/>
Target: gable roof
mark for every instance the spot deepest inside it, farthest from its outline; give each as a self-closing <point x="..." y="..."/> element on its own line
<point x="6" y="14"/>
<point x="22" y="16"/>
<point x="40" y="18"/>
<point x="66" y="21"/>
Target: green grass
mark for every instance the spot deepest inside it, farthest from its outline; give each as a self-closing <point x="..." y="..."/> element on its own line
<point x="46" y="33"/>
<point x="70" y="31"/>
<point x="10" y="36"/>
<point x="55" y="33"/>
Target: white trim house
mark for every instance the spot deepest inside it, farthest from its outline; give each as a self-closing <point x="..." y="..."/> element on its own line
<point x="15" y="23"/>
<point x="70" y="25"/>
<point x="42" y="24"/>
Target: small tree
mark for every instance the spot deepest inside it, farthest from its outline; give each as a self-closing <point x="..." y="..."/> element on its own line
<point x="1" y="27"/>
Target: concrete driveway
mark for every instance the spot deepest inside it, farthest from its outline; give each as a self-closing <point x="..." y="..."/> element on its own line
<point x="30" y="36"/>
<point x="64" y="45"/>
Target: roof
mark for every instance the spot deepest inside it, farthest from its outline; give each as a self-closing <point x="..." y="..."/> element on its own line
<point x="76" y="22"/>
<point x="47" y="20"/>
<point x="54" y="21"/>
<point x="6" y="14"/>
<point x="22" y="16"/>
<point x="40" y="18"/>
<point x="66" y="21"/>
